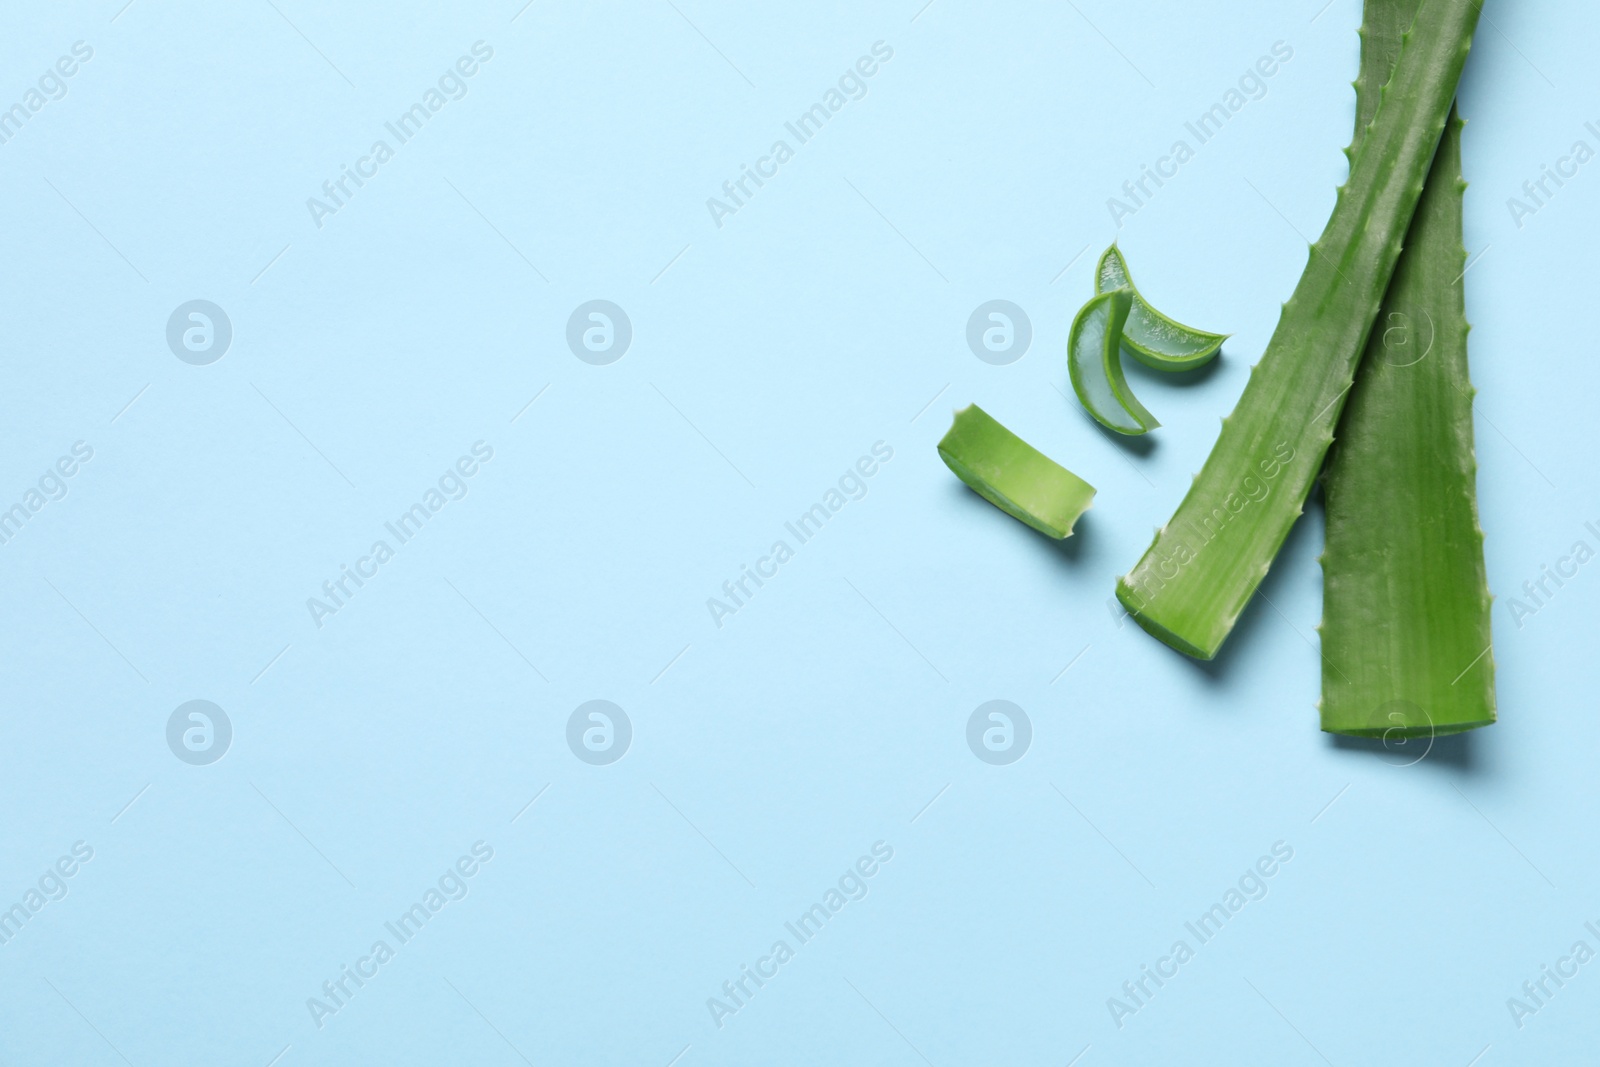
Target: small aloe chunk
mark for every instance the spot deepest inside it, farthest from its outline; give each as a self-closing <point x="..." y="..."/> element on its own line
<point x="1149" y="336"/>
<point x="1013" y="475"/>
<point x="1094" y="362"/>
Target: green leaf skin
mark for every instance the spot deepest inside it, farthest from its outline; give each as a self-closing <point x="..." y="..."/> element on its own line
<point x="1013" y="475"/>
<point x="1094" y="363"/>
<point x="1205" y="564"/>
<point x="1405" y="628"/>
<point x="1150" y="337"/>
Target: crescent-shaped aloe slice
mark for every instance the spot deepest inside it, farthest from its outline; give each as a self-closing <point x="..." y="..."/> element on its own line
<point x="1013" y="475"/>
<point x="1149" y="336"/>
<point x="1094" y="363"/>
<point x="1206" y="562"/>
<point x="1405" y="618"/>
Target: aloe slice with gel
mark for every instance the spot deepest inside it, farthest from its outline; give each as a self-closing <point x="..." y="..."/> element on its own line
<point x="1013" y="475"/>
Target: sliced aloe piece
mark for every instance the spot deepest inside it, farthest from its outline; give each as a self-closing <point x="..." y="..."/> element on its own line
<point x="1094" y="362"/>
<point x="1013" y="475"/>
<point x="1149" y="336"/>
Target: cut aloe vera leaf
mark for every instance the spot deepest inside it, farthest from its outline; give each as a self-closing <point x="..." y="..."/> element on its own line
<point x="1094" y="363"/>
<point x="1149" y="336"/>
<point x="1204" y="565"/>
<point x="1013" y="475"/>
<point x="1405" y="621"/>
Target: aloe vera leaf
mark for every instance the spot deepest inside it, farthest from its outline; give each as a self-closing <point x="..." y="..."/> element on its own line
<point x="1013" y="475"/>
<point x="1094" y="363"/>
<point x="1406" y="629"/>
<point x="1205" y="564"/>
<point x="1149" y="336"/>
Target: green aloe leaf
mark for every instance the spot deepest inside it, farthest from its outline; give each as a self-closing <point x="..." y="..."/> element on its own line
<point x="1149" y="336"/>
<point x="1406" y="629"/>
<point x="1094" y="363"/>
<point x="1205" y="564"/>
<point x="1013" y="475"/>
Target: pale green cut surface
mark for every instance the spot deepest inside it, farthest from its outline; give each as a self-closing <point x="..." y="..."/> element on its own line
<point x="1150" y="337"/>
<point x="1094" y="363"/>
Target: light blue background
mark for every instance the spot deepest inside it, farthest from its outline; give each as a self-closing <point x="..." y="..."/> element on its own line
<point x="768" y="355"/>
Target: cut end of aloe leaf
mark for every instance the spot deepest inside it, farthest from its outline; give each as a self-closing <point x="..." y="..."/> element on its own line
<point x="1391" y="732"/>
<point x="1152" y="338"/>
<point x="1013" y="475"/>
<point x="1129" y="598"/>
<point x="1094" y="363"/>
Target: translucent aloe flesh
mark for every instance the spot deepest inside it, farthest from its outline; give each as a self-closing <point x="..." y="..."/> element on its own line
<point x="1149" y="336"/>
<point x="1094" y="363"/>
<point x="1013" y="475"/>
<point x="1205" y="564"/>
<point x="1405" y="630"/>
